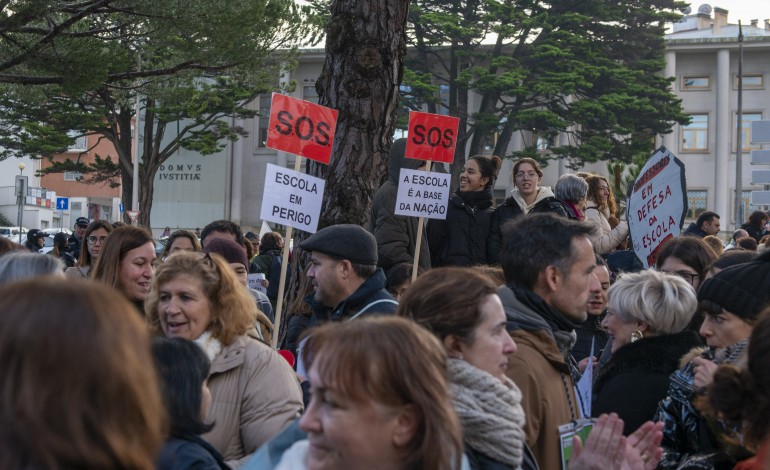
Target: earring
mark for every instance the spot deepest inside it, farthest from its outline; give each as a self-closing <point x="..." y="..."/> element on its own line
<point x="636" y="336"/>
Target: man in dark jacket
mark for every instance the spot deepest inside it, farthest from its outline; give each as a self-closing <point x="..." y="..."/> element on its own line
<point x="345" y="277"/>
<point x="76" y="240"/>
<point x="35" y="241"/>
<point x="549" y="263"/>
<point x="396" y="235"/>
<point x="706" y="224"/>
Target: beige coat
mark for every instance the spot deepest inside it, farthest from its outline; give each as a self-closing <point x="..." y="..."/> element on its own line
<point x="254" y="396"/>
<point x="607" y="238"/>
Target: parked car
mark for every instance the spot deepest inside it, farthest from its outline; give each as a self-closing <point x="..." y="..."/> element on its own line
<point x="13" y="233"/>
<point x="53" y="231"/>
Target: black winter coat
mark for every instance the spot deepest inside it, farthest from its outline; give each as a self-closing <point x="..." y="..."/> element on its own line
<point x="189" y="453"/>
<point x="510" y="210"/>
<point x="589" y="330"/>
<point x="479" y="461"/>
<point x="461" y="239"/>
<point x="636" y="377"/>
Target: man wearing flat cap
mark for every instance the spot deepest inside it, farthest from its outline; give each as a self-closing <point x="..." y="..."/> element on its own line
<point x="346" y="280"/>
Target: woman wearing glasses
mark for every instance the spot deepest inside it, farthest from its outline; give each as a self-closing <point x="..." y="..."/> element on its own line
<point x="602" y="212"/>
<point x="527" y="197"/>
<point x="688" y="257"/>
<point x="254" y="391"/>
<point x="94" y="238"/>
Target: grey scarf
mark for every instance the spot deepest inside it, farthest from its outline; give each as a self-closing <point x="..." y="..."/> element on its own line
<point x="490" y="412"/>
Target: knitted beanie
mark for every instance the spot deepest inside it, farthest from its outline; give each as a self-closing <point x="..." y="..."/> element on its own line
<point x="228" y="249"/>
<point x="743" y="290"/>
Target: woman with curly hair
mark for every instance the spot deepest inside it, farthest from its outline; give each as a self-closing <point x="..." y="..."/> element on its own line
<point x="602" y="212"/>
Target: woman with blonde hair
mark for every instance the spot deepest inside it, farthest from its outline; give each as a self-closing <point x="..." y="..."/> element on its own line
<point x="379" y="399"/>
<point x="254" y="392"/>
<point x="646" y="320"/>
<point x="602" y="213"/>
<point x="77" y="383"/>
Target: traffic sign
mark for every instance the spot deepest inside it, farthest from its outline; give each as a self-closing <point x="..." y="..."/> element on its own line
<point x="121" y="207"/>
<point x="62" y="203"/>
<point x="133" y="215"/>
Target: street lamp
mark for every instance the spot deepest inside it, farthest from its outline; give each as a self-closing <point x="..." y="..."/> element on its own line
<point x="21" y="193"/>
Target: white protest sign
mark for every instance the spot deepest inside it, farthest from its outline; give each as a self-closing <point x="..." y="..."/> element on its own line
<point x="585" y="385"/>
<point x="422" y="194"/>
<point x="292" y="198"/>
<point x="255" y="282"/>
<point x="657" y="204"/>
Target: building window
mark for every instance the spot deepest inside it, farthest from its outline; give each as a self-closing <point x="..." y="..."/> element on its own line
<point x="73" y="176"/>
<point x="696" y="83"/>
<point x="696" y="203"/>
<point x="746" y="207"/>
<point x="310" y="94"/>
<point x="746" y="120"/>
<point x="695" y="136"/>
<point x="750" y="81"/>
<point x="81" y="143"/>
<point x="265" y="100"/>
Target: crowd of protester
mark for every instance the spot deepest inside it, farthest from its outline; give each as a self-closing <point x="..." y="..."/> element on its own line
<point x="115" y="353"/>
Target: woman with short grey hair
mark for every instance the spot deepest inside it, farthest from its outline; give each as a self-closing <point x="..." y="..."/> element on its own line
<point x="646" y="321"/>
<point x="19" y="265"/>
<point x="571" y="191"/>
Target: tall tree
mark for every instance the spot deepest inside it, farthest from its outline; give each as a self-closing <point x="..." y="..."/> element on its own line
<point x="365" y="50"/>
<point x="199" y="63"/>
<point x="580" y="77"/>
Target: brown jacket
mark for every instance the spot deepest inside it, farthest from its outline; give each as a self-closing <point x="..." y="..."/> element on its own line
<point x="254" y="396"/>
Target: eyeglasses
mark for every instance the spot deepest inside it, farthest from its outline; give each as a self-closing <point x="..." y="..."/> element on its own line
<point x="92" y="239"/>
<point x="530" y="174"/>
<point x="689" y="277"/>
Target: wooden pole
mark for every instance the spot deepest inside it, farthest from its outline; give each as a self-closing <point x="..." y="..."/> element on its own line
<point x="418" y="245"/>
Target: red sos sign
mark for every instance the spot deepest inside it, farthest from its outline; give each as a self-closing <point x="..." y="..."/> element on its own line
<point x="432" y="137"/>
<point x="301" y="128"/>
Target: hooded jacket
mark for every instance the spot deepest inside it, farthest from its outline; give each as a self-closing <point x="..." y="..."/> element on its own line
<point x="396" y="235"/>
<point x="513" y="207"/>
<point x="542" y="371"/>
<point x="688" y="439"/>
<point x="461" y="239"/>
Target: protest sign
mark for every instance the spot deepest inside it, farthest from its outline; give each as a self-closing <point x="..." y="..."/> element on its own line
<point x="422" y="194"/>
<point x="657" y="204"/>
<point x="302" y="128"/>
<point x="431" y="137"/>
<point x="292" y="198"/>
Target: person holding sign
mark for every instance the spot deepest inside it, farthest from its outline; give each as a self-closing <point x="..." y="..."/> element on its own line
<point x="528" y="197"/>
<point x="601" y="212"/>
<point x="396" y="234"/>
<point x="461" y="239"/>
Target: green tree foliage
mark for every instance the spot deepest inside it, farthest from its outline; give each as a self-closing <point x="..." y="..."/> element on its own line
<point x="196" y="64"/>
<point x="580" y="77"/>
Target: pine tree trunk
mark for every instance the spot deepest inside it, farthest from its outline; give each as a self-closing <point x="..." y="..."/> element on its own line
<point x="365" y="50"/>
